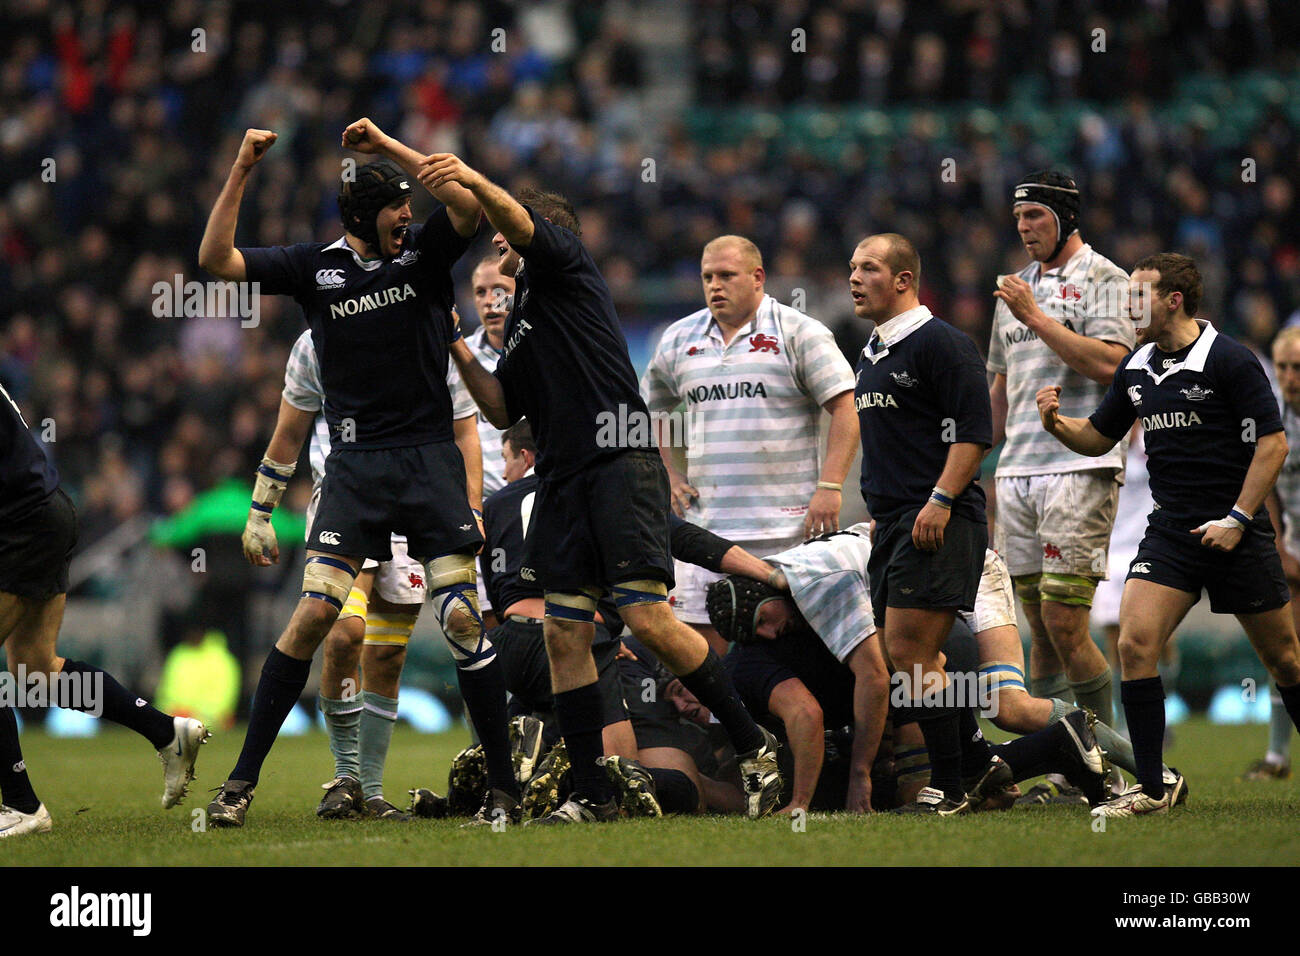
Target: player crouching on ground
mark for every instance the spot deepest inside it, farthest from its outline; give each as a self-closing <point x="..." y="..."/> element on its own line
<point x="1215" y="445"/>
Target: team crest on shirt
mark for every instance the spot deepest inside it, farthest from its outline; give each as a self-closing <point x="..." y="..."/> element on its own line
<point x="764" y="343"/>
<point x="1071" y="291"/>
<point x="408" y="257"/>
<point x="903" y="379"/>
<point x="1196" y="393"/>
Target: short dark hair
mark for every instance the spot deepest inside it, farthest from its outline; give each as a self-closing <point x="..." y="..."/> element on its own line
<point x="551" y="206"/>
<point x="902" y="256"/>
<point x="1178" y="273"/>
<point x="520" y="437"/>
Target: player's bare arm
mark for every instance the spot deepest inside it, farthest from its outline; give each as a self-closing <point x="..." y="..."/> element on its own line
<point x="463" y="209"/>
<point x="1225" y="533"/>
<point x="502" y="211"/>
<point x="292" y="426"/>
<point x="681" y="491"/>
<point x="961" y="466"/>
<point x="998" y="399"/>
<point x="482" y="384"/>
<point x="465" y="431"/>
<point x="806" y="732"/>
<point x="842" y="442"/>
<point x="217" y="252"/>
<point x="737" y="560"/>
<point x="1076" y="434"/>
<point x="870" y="708"/>
<point x="1093" y="358"/>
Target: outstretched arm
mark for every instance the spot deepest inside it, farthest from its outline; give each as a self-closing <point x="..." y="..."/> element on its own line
<point x="506" y="215"/>
<point x="462" y="208"/>
<point x="217" y="252"/>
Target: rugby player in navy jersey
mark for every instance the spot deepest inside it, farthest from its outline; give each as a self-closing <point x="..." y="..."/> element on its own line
<point x="38" y="529"/>
<point x="378" y="302"/>
<point x="566" y="369"/>
<point x="926" y="422"/>
<point x="1215" y="445"/>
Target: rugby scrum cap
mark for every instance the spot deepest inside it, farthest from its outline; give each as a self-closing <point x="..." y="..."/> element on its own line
<point x="1059" y="193"/>
<point x="377" y="184"/>
<point x="733" y="604"/>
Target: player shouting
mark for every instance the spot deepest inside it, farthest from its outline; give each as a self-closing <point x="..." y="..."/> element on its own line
<point x="566" y="369"/>
<point x="1215" y="445"/>
<point x="378" y="302"/>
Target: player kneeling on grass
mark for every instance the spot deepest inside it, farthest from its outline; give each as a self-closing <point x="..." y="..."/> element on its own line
<point x="1215" y="445"/>
<point x="38" y="529"/>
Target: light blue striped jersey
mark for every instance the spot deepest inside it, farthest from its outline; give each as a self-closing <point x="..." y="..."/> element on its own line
<point x="752" y="409"/>
<point x="829" y="584"/>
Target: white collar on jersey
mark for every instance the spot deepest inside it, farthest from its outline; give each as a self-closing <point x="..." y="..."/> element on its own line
<point x="1195" y="361"/>
<point x="894" y="330"/>
<point x="367" y="264"/>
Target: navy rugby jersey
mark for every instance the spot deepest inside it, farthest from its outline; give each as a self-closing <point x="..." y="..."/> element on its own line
<point x="1202" y="409"/>
<point x="27" y="477"/>
<point x="565" y="366"/>
<point x="918" y="392"/>
<point x="380" y="327"/>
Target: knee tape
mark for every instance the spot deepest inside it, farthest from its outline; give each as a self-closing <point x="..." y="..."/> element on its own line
<point x="462" y="626"/>
<point x="631" y="593"/>
<point x="355" y="605"/>
<point x="393" y="630"/>
<point x="579" y="606"/>
<point x="448" y="570"/>
<point x="1075" y="589"/>
<point x="327" y="579"/>
<point x="1027" y="588"/>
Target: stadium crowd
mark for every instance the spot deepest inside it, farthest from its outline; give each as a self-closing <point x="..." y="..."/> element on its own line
<point x="138" y="111"/>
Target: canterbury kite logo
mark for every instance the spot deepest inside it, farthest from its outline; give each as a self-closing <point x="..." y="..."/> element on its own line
<point x="328" y="537"/>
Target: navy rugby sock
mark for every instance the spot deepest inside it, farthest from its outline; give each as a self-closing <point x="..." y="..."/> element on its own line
<point x="100" y="692"/>
<point x="713" y="688"/>
<point x="941" y="728"/>
<point x="675" y="791"/>
<point x="975" y="750"/>
<point x="15" y="789"/>
<point x="580" y="713"/>
<point x="1144" y="705"/>
<point x="484" y="691"/>
<point x="1291" y="701"/>
<point x="278" y="689"/>
<point x="1033" y="754"/>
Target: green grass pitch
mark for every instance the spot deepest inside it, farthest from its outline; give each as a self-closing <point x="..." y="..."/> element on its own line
<point x="104" y="793"/>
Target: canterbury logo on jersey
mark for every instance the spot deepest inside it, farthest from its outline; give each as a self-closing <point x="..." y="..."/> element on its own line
<point x="1154" y="423"/>
<point x="328" y="537"/>
<point x="1140" y="567"/>
<point x="373" y="300"/>
<point x="527" y="574"/>
<point x="329" y="278"/>
<point x="713" y="393"/>
<point x="875" y="400"/>
<point x="1135" y="395"/>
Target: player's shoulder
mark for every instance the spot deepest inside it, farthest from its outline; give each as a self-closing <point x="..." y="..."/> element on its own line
<point x="1101" y="269"/>
<point x="1227" y="354"/>
<point x="691" y="326"/>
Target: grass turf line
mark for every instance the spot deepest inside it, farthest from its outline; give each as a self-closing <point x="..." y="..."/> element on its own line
<point x="104" y="796"/>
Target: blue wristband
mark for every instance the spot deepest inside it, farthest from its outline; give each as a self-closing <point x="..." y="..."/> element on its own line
<point x="1240" y="516"/>
<point x="939" y="497"/>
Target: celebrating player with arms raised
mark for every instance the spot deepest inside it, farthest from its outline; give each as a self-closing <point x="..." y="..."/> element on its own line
<point x="378" y="302"/>
<point x="566" y="369"/>
<point x="1215" y="445"/>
